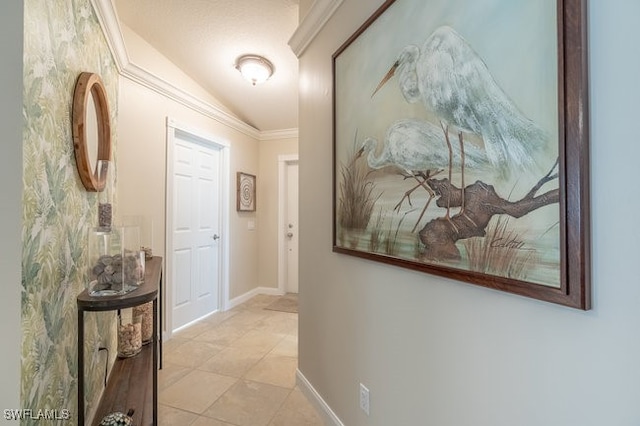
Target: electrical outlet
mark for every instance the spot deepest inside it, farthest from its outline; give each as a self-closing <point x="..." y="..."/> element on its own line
<point x="364" y="398"/>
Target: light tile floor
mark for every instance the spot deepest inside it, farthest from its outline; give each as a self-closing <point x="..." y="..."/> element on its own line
<point x="235" y="368"/>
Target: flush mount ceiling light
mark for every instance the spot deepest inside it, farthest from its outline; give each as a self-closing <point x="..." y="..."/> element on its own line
<point x="254" y="68"/>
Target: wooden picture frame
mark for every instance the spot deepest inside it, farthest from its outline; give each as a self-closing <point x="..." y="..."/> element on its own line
<point x="246" y="192"/>
<point x="461" y="145"/>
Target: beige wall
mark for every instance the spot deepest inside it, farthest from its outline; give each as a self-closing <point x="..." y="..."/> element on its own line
<point x="267" y="207"/>
<point x="142" y="170"/>
<point x="142" y="155"/>
<point x="434" y="351"/>
<point x="142" y="164"/>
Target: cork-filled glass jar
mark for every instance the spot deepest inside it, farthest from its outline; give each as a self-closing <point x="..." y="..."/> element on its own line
<point x="129" y="337"/>
<point x="145" y="312"/>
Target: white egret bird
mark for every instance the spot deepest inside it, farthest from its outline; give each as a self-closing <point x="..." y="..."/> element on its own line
<point x="415" y="147"/>
<point x="452" y="81"/>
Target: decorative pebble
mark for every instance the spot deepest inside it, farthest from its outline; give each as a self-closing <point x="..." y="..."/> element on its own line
<point x="98" y="269"/>
<point x="104" y="215"/>
<point x="112" y="271"/>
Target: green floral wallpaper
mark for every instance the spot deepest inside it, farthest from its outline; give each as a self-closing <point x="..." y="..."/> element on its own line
<point x="62" y="38"/>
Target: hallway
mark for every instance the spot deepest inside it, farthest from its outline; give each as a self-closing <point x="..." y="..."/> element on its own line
<point x="235" y="368"/>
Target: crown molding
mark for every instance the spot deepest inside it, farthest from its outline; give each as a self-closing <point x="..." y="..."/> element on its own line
<point x="108" y="19"/>
<point x="146" y="78"/>
<point x="321" y="11"/>
<point x="270" y="135"/>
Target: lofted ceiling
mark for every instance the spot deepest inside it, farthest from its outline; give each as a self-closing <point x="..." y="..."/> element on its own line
<point x="205" y="37"/>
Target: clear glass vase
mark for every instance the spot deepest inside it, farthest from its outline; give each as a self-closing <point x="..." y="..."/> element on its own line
<point x="105" y="262"/>
<point x="106" y="176"/>
<point x="115" y="264"/>
<point x="133" y="264"/>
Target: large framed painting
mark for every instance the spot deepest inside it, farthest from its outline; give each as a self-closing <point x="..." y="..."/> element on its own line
<point x="461" y="143"/>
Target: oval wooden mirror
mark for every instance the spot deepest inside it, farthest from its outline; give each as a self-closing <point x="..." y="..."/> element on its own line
<point x="91" y="129"/>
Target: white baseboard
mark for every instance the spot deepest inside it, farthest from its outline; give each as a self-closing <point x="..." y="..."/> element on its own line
<point x="189" y="324"/>
<point x="314" y="397"/>
<point x="272" y="291"/>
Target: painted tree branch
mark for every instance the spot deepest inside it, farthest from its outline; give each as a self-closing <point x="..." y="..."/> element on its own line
<point x="481" y="203"/>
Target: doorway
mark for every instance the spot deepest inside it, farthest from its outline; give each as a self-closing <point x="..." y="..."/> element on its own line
<point x="288" y="224"/>
<point x="196" y="202"/>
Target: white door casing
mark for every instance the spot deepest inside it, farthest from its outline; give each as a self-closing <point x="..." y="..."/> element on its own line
<point x="292" y="228"/>
<point x="288" y="223"/>
<point x="197" y="244"/>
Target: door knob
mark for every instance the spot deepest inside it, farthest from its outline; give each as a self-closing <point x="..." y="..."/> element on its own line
<point x="215" y="237"/>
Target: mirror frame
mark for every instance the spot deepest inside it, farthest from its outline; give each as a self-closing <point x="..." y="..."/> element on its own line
<point x="90" y="84"/>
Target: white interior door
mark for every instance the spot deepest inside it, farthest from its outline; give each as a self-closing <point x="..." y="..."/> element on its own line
<point x="292" y="228"/>
<point x="195" y="230"/>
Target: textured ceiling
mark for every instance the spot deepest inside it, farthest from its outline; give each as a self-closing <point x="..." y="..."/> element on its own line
<point x="204" y="38"/>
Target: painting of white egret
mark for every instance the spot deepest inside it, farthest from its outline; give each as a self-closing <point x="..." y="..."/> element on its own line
<point x="460" y="146"/>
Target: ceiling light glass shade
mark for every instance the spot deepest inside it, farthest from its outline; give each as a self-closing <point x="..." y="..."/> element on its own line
<point x="254" y="68"/>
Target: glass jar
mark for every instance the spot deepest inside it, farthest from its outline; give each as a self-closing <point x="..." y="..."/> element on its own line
<point x="116" y="265"/>
<point x="129" y="337"/>
<point x="105" y="196"/>
<point x="105" y="263"/>
<point x="145" y="312"/>
<point x="132" y="262"/>
<point x="145" y="224"/>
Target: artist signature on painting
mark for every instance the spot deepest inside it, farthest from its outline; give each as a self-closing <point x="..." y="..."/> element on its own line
<point x="510" y="243"/>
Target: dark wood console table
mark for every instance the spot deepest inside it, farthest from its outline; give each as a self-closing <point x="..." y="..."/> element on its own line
<point x="133" y="382"/>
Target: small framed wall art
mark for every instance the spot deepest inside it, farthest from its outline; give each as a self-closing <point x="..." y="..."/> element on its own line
<point x="246" y="192"/>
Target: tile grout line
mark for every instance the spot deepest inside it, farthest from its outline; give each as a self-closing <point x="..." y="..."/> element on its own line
<point x="249" y="318"/>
